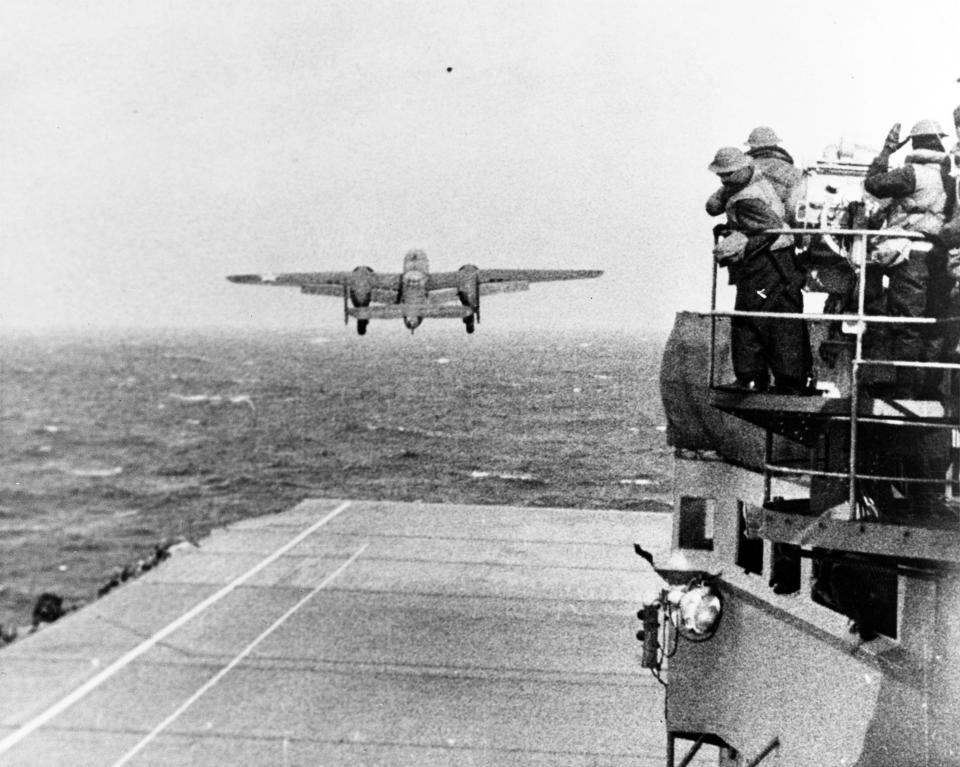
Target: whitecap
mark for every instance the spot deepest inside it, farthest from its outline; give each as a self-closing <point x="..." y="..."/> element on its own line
<point x="443" y="361"/>
<point x="642" y="481"/>
<point x="508" y="476"/>
<point x="661" y="428"/>
<point x="193" y="398"/>
<point x="94" y="472"/>
<point x="212" y="399"/>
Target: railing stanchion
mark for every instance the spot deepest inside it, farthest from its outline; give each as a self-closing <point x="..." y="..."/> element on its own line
<point x="713" y="326"/>
<point x="859" y="257"/>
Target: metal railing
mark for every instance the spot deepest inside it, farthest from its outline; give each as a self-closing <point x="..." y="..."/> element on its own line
<point x="856" y="324"/>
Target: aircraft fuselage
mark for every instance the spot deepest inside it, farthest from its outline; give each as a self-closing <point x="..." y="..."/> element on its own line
<point x="413" y="289"/>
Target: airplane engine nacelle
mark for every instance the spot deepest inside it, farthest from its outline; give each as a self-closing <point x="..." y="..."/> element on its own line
<point x="468" y="286"/>
<point x="361" y="286"/>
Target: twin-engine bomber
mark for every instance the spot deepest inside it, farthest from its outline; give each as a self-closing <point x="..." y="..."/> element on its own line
<point x="415" y="293"/>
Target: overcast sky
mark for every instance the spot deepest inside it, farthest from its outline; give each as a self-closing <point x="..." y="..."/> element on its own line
<point x="151" y="148"/>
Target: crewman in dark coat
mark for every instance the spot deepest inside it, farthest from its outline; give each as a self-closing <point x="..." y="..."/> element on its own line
<point x="763" y="268"/>
<point x="950" y="240"/>
<point x="777" y="165"/>
<point x="918" y="286"/>
<point x="916" y="270"/>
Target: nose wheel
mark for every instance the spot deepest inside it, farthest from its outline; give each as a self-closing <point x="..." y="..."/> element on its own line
<point x="470" y="323"/>
<point x="362" y="327"/>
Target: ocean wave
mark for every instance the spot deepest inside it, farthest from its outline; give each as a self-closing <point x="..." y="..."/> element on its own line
<point x="368" y="423"/>
<point x="51" y="428"/>
<point x="504" y="475"/>
<point x="138" y="440"/>
<point x="91" y="471"/>
<point x="411" y="430"/>
<point x="186" y="357"/>
<point x="213" y="399"/>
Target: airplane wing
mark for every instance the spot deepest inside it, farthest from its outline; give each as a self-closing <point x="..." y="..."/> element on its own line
<point x="535" y="275"/>
<point x="508" y="279"/>
<point x="395" y="311"/>
<point x="320" y="283"/>
<point x="514" y="286"/>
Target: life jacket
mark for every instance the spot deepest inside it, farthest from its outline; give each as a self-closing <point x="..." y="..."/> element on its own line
<point x="758" y="188"/>
<point x="923" y="210"/>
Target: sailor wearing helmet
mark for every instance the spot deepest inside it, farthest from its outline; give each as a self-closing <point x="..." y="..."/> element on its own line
<point x="916" y="269"/>
<point x="763" y="268"/>
<point x="776" y="164"/>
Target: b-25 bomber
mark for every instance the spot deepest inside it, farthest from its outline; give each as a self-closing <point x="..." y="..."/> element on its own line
<point x="415" y="293"/>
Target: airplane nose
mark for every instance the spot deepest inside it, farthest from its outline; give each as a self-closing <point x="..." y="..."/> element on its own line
<point x="412" y="323"/>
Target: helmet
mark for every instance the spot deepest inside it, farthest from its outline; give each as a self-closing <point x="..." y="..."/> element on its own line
<point x="729" y="159"/>
<point x="762" y="136"/>
<point x="927" y="128"/>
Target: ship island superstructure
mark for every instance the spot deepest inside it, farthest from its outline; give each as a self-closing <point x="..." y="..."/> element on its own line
<point x="812" y="613"/>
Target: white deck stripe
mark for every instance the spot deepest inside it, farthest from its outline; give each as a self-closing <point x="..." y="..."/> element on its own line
<point x="15" y="737"/>
<point x="226" y="669"/>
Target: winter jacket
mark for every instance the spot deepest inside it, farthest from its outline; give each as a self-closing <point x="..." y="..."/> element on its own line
<point x="777" y="165"/>
<point x="918" y="191"/>
<point x="753" y="207"/>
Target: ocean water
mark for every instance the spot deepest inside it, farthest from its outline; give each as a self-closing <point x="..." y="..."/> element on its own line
<point x="114" y="444"/>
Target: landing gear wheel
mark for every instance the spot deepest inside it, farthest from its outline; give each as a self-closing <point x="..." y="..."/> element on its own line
<point x="362" y="327"/>
<point x="470" y="323"/>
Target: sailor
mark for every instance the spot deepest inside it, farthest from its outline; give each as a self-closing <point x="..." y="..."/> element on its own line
<point x="950" y="239"/>
<point x="917" y="195"/>
<point x="777" y="165"/>
<point x="767" y="279"/>
<point x="918" y="286"/>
